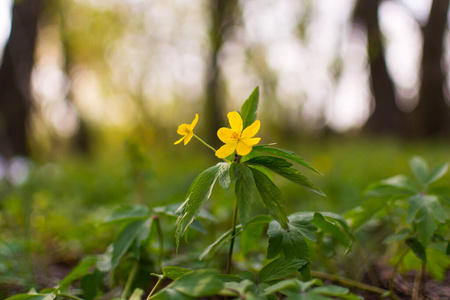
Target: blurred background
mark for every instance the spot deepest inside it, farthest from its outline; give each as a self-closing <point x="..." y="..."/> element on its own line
<point x="92" y="92"/>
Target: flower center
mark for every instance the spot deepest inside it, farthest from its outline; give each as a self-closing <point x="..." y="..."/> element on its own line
<point x="187" y="130"/>
<point x="235" y="136"/>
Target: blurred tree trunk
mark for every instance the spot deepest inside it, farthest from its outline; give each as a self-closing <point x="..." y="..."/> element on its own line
<point x="222" y="15"/>
<point x="15" y="75"/>
<point x="432" y="114"/>
<point x="386" y="116"/>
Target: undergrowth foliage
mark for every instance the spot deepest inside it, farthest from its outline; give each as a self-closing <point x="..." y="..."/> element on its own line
<point x="139" y="264"/>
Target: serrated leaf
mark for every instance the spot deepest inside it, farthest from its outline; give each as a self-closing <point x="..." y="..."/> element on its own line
<point x="280" y="268"/>
<point x="248" y="110"/>
<point x="399" y="184"/>
<point x="436" y="173"/>
<point x="331" y="228"/>
<point x="283" y="168"/>
<point x="420" y="169"/>
<point x="424" y="211"/>
<point x="271" y="196"/>
<point x="244" y="190"/>
<point x="290" y="241"/>
<point x="224" y="175"/>
<point x="417" y="248"/>
<point x="125" y="240"/>
<point x="199" y="195"/>
<point x="286" y="154"/>
<point x="84" y="267"/>
<point x="174" y="273"/>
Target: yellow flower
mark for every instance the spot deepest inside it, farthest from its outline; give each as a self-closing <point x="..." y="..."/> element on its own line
<point x="235" y="139"/>
<point x="187" y="130"/>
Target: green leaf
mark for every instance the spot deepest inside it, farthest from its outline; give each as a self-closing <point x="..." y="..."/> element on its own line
<point x="224" y="175"/>
<point x="420" y="169"/>
<point x="244" y="190"/>
<point x="424" y="211"/>
<point x="436" y="173"/>
<point x="32" y="297"/>
<point x="137" y="294"/>
<point x="331" y="228"/>
<point x="199" y="283"/>
<point x="286" y="154"/>
<point x="280" y="268"/>
<point x="129" y="213"/>
<point x="248" y="110"/>
<point x="290" y="241"/>
<point x="399" y="184"/>
<point x="171" y="294"/>
<point x="226" y="237"/>
<point x="283" y="168"/>
<point x="222" y="240"/>
<point x="250" y="237"/>
<point x="174" y="273"/>
<point x="417" y="248"/>
<point x="125" y="240"/>
<point x="447" y="250"/>
<point x="366" y="211"/>
<point x="239" y="288"/>
<point x="271" y="196"/>
<point x="83" y="268"/>
<point x="288" y="284"/>
<point x="199" y="195"/>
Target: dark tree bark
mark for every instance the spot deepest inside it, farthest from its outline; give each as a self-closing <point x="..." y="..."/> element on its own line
<point x="223" y="18"/>
<point x="432" y="114"/>
<point x="386" y="116"/>
<point x="15" y="74"/>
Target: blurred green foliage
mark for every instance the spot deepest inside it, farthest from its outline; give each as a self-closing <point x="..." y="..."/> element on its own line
<point x="52" y="218"/>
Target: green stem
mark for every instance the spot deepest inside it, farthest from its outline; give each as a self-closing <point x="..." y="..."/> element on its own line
<point x="352" y="283"/>
<point x="68" y="296"/>
<point x="423" y="279"/>
<point x="155" y="288"/>
<point x="233" y="233"/>
<point x="208" y="145"/>
<point x="396" y="267"/>
<point x="130" y="280"/>
<point x="160" y="241"/>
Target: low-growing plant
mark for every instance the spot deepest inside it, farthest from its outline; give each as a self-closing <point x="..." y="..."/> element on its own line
<point x="138" y="263"/>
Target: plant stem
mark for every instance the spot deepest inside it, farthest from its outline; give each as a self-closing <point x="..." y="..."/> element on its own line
<point x="208" y="145"/>
<point x="351" y="283"/>
<point x="68" y="296"/>
<point x="416" y="287"/>
<point x="130" y="280"/>
<point x="233" y="233"/>
<point x="155" y="288"/>
<point x="395" y="271"/>
<point x="160" y="241"/>
<point x="423" y="279"/>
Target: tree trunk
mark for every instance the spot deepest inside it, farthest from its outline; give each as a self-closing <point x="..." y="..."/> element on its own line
<point x="15" y="74"/>
<point x="432" y="114"/>
<point x="386" y="116"/>
<point x="222" y="15"/>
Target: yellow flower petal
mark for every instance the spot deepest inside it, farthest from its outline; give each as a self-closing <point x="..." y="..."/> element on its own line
<point x="188" y="137"/>
<point x="225" y="135"/>
<point x="194" y="122"/>
<point x="235" y="121"/>
<point x="183" y="129"/>
<point x="251" y="130"/>
<point x="226" y="150"/>
<point x="243" y="149"/>
<point x="179" y="141"/>
<point x="251" y="142"/>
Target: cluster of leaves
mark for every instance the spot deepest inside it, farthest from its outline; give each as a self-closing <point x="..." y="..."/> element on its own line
<point x="414" y="209"/>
